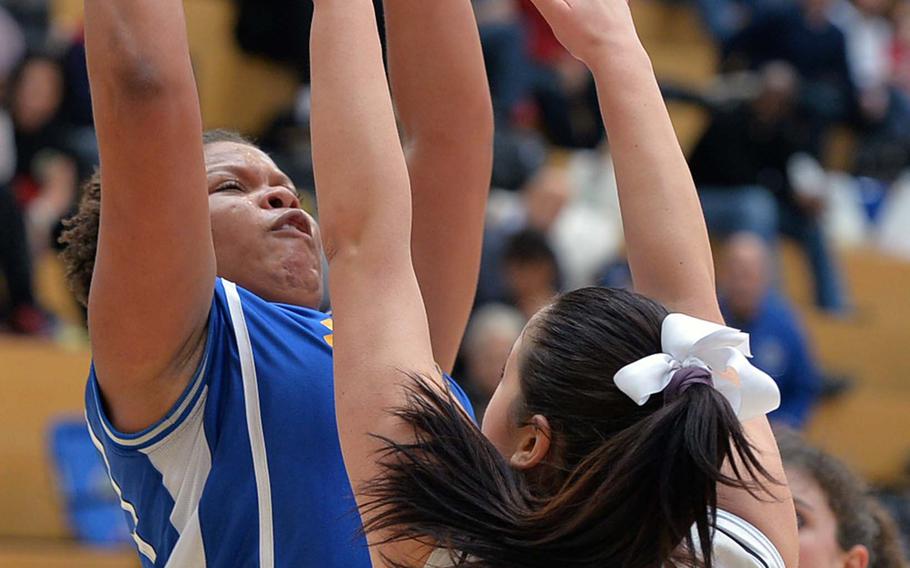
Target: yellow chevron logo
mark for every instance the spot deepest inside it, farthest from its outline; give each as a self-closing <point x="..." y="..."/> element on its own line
<point x="330" y="325"/>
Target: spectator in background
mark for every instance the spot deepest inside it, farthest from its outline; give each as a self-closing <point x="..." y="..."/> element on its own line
<point x="725" y="18"/>
<point x="562" y="86"/>
<point x="803" y="36"/>
<point x="506" y="55"/>
<point x="12" y="44"/>
<point x="868" y="36"/>
<point x="900" y="47"/>
<point x="840" y="524"/>
<point x="531" y="271"/>
<point x="46" y="171"/>
<point x="779" y="344"/>
<point x="33" y="17"/>
<point x="19" y="311"/>
<point x="578" y="230"/>
<point x="488" y="341"/>
<point x="742" y="167"/>
<point x="882" y="123"/>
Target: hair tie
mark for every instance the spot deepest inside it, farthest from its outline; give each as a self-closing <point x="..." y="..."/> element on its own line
<point x="701" y="352"/>
<point x="684" y="379"/>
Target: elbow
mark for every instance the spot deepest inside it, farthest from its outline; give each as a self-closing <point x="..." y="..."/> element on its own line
<point x="136" y="72"/>
<point x="139" y="79"/>
<point x="342" y="236"/>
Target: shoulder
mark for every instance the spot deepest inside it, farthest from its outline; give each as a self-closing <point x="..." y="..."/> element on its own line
<point x="738" y="544"/>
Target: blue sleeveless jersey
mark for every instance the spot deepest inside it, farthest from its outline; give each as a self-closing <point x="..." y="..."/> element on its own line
<point x="246" y="469"/>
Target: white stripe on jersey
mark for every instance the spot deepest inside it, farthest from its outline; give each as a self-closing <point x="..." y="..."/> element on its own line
<point x="254" y="426"/>
<point x="164" y="424"/>
<point x="145" y="548"/>
<point x="184" y="463"/>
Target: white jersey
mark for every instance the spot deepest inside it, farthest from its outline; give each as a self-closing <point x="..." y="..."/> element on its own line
<point x="737" y="544"/>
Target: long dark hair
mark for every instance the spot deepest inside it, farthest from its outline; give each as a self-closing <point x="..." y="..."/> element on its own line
<point x="623" y="485"/>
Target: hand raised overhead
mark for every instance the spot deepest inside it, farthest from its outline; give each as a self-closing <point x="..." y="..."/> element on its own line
<point x="586" y="27"/>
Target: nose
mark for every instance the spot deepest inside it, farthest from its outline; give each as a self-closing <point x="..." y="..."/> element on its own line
<point x="279" y="198"/>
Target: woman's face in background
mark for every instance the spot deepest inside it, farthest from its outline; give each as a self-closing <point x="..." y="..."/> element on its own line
<point x="818" y="545"/>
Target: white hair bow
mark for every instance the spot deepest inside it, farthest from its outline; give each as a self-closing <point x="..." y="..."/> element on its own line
<point x="724" y="351"/>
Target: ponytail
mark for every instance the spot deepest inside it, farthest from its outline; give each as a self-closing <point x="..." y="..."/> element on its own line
<point x="631" y="502"/>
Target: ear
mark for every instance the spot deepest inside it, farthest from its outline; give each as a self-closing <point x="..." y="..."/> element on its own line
<point x="857" y="557"/>
<point x="533" y="444"/>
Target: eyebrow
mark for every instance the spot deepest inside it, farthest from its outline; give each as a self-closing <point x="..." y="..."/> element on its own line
<point x="803" y="503"/>
<point x="241" y="172"/>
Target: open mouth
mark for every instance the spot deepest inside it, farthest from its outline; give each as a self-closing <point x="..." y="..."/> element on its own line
<point x="294" y="221"/>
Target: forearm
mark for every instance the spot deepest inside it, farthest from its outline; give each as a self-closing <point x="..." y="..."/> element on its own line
<point x="146" y="111"/>
<point x="443" y="103"/>
<point x="361" y="175"/>
<point x="136" y="48"/>
<point x="437" y="73"/>
<point x="666" y="237"/>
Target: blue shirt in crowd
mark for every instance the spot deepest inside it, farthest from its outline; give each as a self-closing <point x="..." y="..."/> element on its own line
<point x="781" y="349"/>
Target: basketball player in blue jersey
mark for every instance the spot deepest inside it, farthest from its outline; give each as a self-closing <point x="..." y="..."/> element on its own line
<point x="210" y="395"/>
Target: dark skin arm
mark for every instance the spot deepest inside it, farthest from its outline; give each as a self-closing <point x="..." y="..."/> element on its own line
<point x="152" y="285"/>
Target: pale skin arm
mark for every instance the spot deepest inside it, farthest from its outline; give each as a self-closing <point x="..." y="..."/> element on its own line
<point x="442" y="97"/>
<point x="365" y="212"/>
<point x="152" y="286"/>
<point x="668" y="247"/>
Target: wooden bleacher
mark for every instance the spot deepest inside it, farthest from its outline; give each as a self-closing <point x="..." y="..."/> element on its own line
<point x="40" y="382"/>
<point x="870" y="426"/>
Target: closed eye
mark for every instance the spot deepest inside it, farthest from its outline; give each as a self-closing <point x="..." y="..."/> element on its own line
<point x="228" y="186"/>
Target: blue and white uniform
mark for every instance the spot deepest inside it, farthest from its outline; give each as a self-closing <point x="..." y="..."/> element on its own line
<point x="246" y="469"/>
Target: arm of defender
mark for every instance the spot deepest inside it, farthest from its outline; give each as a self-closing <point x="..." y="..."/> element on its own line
<point x="155" y="268"/>
<point x="365" y="208"/>
<point x="666" y="237"/>
<point x="442" y="97"/>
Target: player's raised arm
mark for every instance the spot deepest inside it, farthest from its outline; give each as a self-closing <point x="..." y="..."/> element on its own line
<point x="365" y="213"/>
<point x="443" y="101"/>
<point x="666" y="237"/>
<point x="665" y="231"/>
<point x="155" y="268"/>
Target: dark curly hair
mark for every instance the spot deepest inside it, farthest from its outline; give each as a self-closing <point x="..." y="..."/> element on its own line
<point x="80" y="235"/>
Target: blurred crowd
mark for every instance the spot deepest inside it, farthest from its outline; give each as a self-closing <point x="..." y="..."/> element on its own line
<point x="47" y="145"/>
<point x="797" y="80"/>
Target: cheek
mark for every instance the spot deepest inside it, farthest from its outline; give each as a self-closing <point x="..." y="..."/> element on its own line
<point x="815" y="550"/>
<point x="233" y="230"/>
<point x="496" y="425"/>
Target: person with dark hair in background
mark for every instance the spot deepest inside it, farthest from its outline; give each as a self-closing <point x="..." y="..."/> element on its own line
<point x="742" y="167"/>
<point x="802" y="35"/>
<point x="210" y="394"/>
<point x="620" y="434"/>
<point x="488" y="340"/>
<point x="840" y="524"/>
<point x="779" y="344"/>
<point x="47" y="174"/>
<point x="530" y="271"/>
